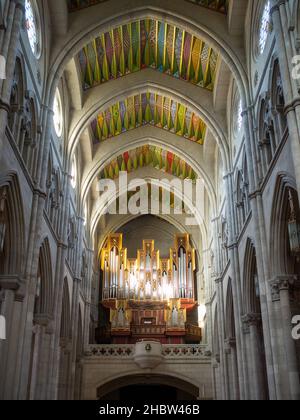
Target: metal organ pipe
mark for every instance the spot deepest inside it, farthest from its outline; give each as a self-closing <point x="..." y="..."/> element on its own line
<point x="184" y="275"/>
<point x="110" y="272"/>
<point x="190" y="281"/>
<point x="181" y="271"/>
<point x="117" y="272"/>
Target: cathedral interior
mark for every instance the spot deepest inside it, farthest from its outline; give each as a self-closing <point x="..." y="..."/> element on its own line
<point x="149" y="199"/>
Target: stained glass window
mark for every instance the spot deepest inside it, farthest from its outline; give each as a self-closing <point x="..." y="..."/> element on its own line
<point x="32" y="27"/>
<point x="265" y="25"/>
<point x="57" y="114"/>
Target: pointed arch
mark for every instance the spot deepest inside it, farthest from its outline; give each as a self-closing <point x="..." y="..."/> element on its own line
<point x="279" y="242"/>
<point x="229" y="312"/>
<point x="44" y="293"/>
<point x="251" y="294"/>
<point x="65" y="325"/>
<point x="17" y="96"/>
<point x="13" y="257"/>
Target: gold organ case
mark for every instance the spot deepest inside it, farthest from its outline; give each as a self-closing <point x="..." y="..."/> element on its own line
<point x="149" y="296"/>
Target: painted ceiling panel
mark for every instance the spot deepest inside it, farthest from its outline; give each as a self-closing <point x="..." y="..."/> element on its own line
<point x="148" y="109"/>
<point x="149" y="156"/>
<point x="148" y="44"/>
<point x="219" y="5"/>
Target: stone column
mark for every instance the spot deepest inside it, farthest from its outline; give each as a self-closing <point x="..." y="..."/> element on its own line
<point x="58" y="292"/>
<point x="221" y="322"/>
<point x="9" y="51"/>
<point x="292" y="98"/>
<point x="74" y="321"/>
<point x="45" y="332"/>
<point x="64" y="368"/>
<point x="252" y="322"/>
<point x="282" y="288"/>
<point x="216" y="377"/>
<point x="12" y="301"/>
<point x="261" y="245"/>
<point x="236" y="283"/>
<point x="230" y="345"/>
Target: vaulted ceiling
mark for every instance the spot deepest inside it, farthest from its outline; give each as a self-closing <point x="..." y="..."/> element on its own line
<point x="149" y="156"/>
<point x="219" y="5"/>
<point x="149" y="91"/>
<point x="143" y="44"/>
<point x="148" y="108"/>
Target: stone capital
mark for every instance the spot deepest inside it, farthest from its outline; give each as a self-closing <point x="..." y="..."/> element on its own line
<point x="66" y="345"/>
<point x="10" y="282"/>
<point x="282" y="283"/>
<point x="230" y="342"/>
<point x="43" y="320"/>
<point x="251" y="319"/>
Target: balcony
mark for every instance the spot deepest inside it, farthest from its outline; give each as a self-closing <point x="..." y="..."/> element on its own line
<point x="126" y="351"/>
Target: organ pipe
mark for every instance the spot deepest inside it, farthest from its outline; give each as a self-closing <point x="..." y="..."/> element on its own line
<point x="148" y="277"/>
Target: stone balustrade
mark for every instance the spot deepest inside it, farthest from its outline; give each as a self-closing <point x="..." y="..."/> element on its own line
<point x="169" y="351"/>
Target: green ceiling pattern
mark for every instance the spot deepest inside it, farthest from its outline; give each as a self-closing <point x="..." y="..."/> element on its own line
<point x="148" y="44"/>
<point x="148" y="109"/>
<point x="219" y="5"/>
<point x="149" y="156"/>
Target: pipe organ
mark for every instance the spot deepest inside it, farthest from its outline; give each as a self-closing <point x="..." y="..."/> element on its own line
<point x="148" y="277"/>
<point x="149" y="296"/>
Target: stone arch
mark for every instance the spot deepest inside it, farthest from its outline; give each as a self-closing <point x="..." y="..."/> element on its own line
<point x="12" y="225"/>
<point x="28" y="141"/>
<point x="229" y="312"/>
<point x="44" y="291"/>
<point x="180" y="382"/>
<point x="103" y="97"/>
<point x="91" y="30"/>
<point x="99" y="164"/>
<point x="17" y="97"/>
<point x="251" y="297"/>
<point x="179" y="226"/>
<point x="100" y="211"/>
<point x="277" y="100"/>
<point x="281" y="260"/>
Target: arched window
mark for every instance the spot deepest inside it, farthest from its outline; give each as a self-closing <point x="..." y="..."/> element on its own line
<point x="33" y="27"/>
<point x="85" y="213"/>
<point x="239" y="116"/>
<point x="57" y="114"/>
<point x="278" y="103"/>
<point x="264" y="27"/>
<point x="74" y="173"/>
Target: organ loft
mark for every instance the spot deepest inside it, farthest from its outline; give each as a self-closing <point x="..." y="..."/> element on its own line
<point x="148" y="297"/>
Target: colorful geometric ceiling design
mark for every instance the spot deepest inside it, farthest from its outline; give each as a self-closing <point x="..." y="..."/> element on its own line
<point x="148" y="109"/>
<point x="219" y="5"/>
<point x="148" y="44"/>
<point x="149" y="156"/>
